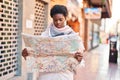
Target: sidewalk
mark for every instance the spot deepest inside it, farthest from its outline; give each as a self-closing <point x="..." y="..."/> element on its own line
<point x="96" y="66"/>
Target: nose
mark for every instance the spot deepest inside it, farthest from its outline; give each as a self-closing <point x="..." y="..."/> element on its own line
<point x="58" y="22"/>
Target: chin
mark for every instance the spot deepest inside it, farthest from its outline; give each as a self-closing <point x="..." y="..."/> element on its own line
<point x="59" y="27"/>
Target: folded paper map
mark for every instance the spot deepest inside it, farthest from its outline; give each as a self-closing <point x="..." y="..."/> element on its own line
<point x="52" y="54"/>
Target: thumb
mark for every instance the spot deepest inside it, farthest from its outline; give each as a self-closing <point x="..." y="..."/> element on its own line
<point x="24" y="57"/>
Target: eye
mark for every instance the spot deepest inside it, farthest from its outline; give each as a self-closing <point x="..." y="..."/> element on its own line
<point x="55" y="20"/>
<point x="61" y="19"/>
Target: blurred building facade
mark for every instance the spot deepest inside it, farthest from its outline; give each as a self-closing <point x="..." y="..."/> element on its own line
<point x="32" y="16"/>
<point x="92" y="24"/>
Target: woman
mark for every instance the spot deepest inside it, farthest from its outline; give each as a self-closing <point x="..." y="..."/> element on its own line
<point x="57" y="28"/>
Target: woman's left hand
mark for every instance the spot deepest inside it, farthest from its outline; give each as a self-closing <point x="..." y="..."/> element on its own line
<point x="78" y="56"/>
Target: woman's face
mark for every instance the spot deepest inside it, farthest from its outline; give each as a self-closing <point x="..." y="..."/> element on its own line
<point x="59" y="20"/>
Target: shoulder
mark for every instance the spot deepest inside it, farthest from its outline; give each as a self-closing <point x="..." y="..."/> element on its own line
<point x="70" y="30"/>
<point x="46" y="32"/>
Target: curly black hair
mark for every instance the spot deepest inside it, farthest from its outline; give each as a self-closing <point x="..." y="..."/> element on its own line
<point x="59" y="9"/>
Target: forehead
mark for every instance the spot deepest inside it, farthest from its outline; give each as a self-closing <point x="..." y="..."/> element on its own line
<point x="57" y="16"/>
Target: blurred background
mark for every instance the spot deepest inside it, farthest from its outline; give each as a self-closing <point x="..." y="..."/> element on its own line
<point x="96" y="21"/>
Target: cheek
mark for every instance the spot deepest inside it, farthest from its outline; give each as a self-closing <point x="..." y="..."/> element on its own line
<point x="62" y="23"/>
<point x="59" y="25"/>
<point x="55" y="23"/>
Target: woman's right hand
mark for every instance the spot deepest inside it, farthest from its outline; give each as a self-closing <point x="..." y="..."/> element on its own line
<point x="25" y="53"/>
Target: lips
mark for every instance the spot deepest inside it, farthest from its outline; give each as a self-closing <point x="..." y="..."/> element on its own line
<point x="58" y="26"/>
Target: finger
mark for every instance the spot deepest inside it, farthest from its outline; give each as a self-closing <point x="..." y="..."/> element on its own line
<point x="79" y="54"/>
<point x="25" y="58"/>
<point x="79" y="59"/>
